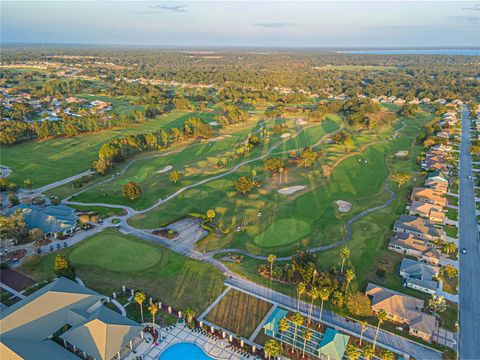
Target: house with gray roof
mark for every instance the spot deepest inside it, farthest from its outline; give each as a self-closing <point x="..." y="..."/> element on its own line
<point x="53" y="220"/>
<point x="64" y="320"/>
<point x="419" y="276"/>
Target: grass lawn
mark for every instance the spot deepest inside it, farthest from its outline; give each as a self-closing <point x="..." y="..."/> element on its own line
<point x="44" y="162"/>
<point x="452" y="214"/>
<point x="357" y="178"/>
<point x="103" y="211"/>
<point x="450" y="284"/>
<point x="452" y="200"/>
<point x="108" y="260"/>
<point x="450" y="316"/>
<point x="451" y="230"/>
<point x="239" y="313"/>
<point x="292" y="229"/>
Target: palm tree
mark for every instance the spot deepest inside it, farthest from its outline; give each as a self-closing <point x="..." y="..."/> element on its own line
<point x="297" y="320"/>
<point x="139" y="298"/>
<point x="382" y="316"/>
<point x="189" y="314"/>
<point x="153" y="308"/>
<point x="307" y="336"/>
<point x="211" y="214"/>
<point x="368" y="352"/>
<point x="314" y="294"/>
<point x="363" y="324"/>
<point x="280" y="172"/>
<point x="283" y="325"/>
<point x="344" y="255"/>
<point x="272" y="348"/>
<point x="324" y="295"/>
<point x="300" y="290"/>
<point x="349" y="276"/>
<point x="353" y="352"/>
<point x="271" y="259"/>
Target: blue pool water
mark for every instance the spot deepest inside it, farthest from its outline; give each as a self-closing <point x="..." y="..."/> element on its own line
<point x="184" y="351"/>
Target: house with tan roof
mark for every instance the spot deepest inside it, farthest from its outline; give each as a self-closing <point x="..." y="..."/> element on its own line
<point x="412" y="245"/>
<point x="429" y="211"/>
<point x="65" y="320"/>
<point x="428" y="195"/>
<point x="420" y="227"/>
<point x="402" y="309"/>
<point x="439" y="187"/>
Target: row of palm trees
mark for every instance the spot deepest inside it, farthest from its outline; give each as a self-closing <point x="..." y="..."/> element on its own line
<point x="153" y="308"/>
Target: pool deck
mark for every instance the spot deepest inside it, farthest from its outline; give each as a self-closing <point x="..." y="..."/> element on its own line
<point x="216" y="349"/>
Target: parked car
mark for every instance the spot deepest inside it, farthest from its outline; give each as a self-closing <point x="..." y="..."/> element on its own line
<point x="51" y="247"/>
<point x="58" y="246"/>
<point x="65" y="244"/>
<point x="464" y="251"/>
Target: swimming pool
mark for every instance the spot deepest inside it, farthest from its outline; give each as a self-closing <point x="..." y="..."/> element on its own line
<point x="182" y="351"/>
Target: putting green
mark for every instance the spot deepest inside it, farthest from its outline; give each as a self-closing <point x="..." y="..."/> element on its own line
<point x="283" y="232"/>
<point x="115" y="253"/>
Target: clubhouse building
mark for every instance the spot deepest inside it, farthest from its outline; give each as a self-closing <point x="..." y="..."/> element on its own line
<point x="65" y="320"/>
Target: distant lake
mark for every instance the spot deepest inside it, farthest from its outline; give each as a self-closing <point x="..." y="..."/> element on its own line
<point x="416" y="52"/>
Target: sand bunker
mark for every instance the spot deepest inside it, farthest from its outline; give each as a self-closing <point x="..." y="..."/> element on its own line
<point x="291" y="189"/>
<point x="343" y="206"/>
<point x="285" y="135"/>
<point x="300" y="122"/>
<point x="165" y="169"/>
<point x="213" y="123"/>
<point x="218" y="138"/>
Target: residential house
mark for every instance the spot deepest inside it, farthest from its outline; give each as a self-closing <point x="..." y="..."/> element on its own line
<point x="65" y="320"/>
<point x="419" y="276"/>
<point x="428" y="195"/>
<point x="420" y="227"/>
<point x="427" y="210"/>
<point x="437" y="186"/>
<point x="438" y="175"/>
<point x="402" y="309"/>
<point x="412" y="245"/>
<point x="443" y="134"/>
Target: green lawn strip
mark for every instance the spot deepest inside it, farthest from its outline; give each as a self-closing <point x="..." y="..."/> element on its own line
<point x="108" y="260"/>
<point x="103" y="211"/>
<point x="452" y="214"/>
<point x="450" y="317"/>
<point x="450" y="284"/>
<point x="451" y="230"/>
<point x="44" y="162"/>
<point x="452" y="200"/>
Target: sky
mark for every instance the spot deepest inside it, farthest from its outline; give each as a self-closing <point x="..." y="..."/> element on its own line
<point x="337" y="24"/>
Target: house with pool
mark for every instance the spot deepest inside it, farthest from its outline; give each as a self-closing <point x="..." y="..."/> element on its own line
<point x="328" y="345"/>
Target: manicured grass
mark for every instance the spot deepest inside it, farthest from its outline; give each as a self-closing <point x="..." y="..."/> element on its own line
<point x="452" y="214"/>
<point x="103" y="211"/>
<point x="115" y="253"/>
<point x="452" y="200"/>
<point x="282" y="232"/>
<point x="357" y="179"/>
<point x="239" y="313"/>
<point x="450" y="316"/>
<point x="108" y="260"/>
<point x="450" y="284"/>
<point x="451" y="231"/>
<point x="44" y="162"/>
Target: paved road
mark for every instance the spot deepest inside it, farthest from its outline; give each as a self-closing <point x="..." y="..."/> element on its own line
<point x="469" y="306"/>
